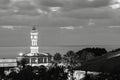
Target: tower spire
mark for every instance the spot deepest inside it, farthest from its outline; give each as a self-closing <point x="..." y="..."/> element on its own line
<point x="34" y="28"/>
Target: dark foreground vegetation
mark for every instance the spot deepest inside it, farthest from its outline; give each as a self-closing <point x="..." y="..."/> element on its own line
<point x="69" y="61"/>
<point x="36" y="73"/>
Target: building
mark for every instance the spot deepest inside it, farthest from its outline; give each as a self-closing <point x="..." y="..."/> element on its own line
<point x="34" y="57"/>
<point x="8" y="63"/>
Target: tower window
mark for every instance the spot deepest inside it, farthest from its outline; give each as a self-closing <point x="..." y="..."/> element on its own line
<point x="35" y="37"/>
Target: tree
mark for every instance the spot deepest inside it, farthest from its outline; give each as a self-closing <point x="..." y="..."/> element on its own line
<point x="26" y="73"/>
<point x="57" y="57"/>
<point x="84" y="55"/>
<point x="98" y="51"/>
<point x="116" y="50"/>
<point x="90" y="53"/>
<point x="39" y="72"/>
<point x="23" y="62"/>
<point x="13" y="75"/>
<point x="56" y="73"/>
<point x="70" y="58"/>
<point x="2" y="74"/>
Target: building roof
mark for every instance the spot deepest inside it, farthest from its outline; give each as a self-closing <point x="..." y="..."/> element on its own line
<point x="37" y="55"/>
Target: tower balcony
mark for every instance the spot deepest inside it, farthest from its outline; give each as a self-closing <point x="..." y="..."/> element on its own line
<point x="34" y="33"/>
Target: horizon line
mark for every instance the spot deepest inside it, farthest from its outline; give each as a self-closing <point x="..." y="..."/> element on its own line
<point x="63" y="45"/>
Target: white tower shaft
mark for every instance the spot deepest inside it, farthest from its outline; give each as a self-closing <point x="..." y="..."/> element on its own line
<point x="34" y="39"/>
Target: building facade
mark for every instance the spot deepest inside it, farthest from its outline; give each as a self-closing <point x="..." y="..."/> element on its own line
<point x="36" y="58"/>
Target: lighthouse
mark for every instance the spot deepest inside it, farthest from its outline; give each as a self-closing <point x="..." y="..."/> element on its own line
<point x="34" y="49"/>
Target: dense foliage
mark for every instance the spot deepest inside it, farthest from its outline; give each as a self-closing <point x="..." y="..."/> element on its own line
<point x="57" y="57"/>
<point x="38" y="73"/>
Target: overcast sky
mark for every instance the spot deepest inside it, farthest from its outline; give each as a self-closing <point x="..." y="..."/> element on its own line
<point x="60" y="22"/>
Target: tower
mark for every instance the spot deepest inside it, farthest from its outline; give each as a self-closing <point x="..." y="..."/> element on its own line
<point x="34" y="57"/>
<point x="34" y="49"/>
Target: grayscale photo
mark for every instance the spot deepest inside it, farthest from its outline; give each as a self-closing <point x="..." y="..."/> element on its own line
<point x="59" y="39"/>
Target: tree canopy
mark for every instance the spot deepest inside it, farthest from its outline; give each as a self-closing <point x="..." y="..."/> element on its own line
<point x="90" y="53"/>
<point x="57" y="57"/>
<point x="70" y="58"/>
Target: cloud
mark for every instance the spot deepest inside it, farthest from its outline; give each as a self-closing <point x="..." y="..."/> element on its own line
<point x="51" y="3"/>
<point x="80" y="27"/>
<point x="114" y="1"/>
<point x="42" y="21"/>
<point x="56" y="21"/>
<point x="22" y="5"/>
<point x="41" y="11"/>
<point x="54" y="9"/>
<point x="115" y="4"/>
<point x="8" y="27"/>
<point x="74" y="4"/>
<point x="71" y="27"/>
<point x="113" y="26"/>
<point x="91" y="22"/>
<point x="64" y="4"/>
<point x="31" y="7"/>
<point x="88" y="13"/>
<point x="27" y="13"/>
<point x="69" y="18"/>
<point x="90" y="4"/>
<point x="4" y="4"/>
<point x="68" y="28"/>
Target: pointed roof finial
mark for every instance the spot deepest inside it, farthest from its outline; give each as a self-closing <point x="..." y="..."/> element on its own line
<point x="34" y="28"/>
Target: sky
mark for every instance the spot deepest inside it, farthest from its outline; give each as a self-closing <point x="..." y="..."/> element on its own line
<point x="60" y="22"/>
